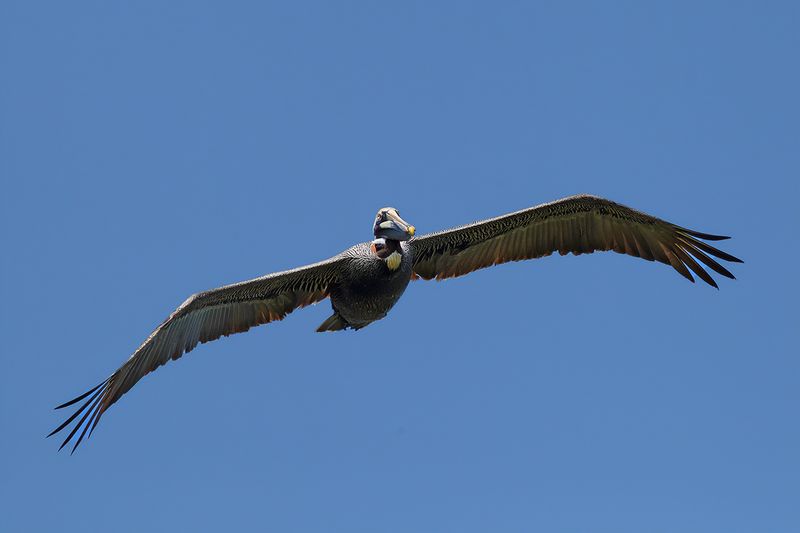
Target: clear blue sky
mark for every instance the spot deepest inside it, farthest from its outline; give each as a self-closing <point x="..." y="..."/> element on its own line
<point x="150" y="150"/>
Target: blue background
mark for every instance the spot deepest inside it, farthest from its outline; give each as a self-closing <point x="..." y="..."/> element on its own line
<point x="150" y="150"/>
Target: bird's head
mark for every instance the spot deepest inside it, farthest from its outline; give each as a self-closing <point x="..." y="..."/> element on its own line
<point x="389" y="225"/>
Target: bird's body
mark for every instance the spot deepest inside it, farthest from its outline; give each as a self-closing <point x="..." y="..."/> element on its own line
<point x="365" y="281"/>
<point x="370" y="285"/>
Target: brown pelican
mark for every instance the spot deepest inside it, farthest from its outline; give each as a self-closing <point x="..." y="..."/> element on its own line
<point x="365" y="281"/>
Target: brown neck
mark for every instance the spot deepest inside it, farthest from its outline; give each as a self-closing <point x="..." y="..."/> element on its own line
<point x="388" y="249"/>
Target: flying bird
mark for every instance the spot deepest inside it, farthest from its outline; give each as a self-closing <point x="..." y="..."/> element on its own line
<point x="365" y="281"/>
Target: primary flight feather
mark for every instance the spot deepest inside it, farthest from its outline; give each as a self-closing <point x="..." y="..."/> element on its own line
<point x="365" y="281"/>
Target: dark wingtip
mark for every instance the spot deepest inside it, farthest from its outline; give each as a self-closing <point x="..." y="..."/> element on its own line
<point x="91" y="410"/>
<point x="81" y="397"/>
<point x="706" y="236"/>
<point x="691" y="238"/>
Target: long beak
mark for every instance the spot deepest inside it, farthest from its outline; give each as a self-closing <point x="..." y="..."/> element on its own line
<point x="395" y="228"/>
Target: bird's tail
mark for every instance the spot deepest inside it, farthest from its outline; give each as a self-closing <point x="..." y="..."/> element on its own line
<point x="335" y="322"/>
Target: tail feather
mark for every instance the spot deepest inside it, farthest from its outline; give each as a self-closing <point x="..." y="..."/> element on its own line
<point x="335" y="322"/>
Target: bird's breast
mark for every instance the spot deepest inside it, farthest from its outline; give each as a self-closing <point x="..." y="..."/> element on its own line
<point x="371" y="286"/>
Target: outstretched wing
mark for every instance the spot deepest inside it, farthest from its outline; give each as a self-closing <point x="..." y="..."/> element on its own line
<point x="578" y="224"/>
<point x="204" y="317"/>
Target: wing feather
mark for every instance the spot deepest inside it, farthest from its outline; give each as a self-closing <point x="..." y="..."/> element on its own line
<point x="578" y="224"/>
<point x="202" y="318"/>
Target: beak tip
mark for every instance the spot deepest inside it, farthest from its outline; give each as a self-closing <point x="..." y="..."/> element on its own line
<point x="412" y="230"/>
